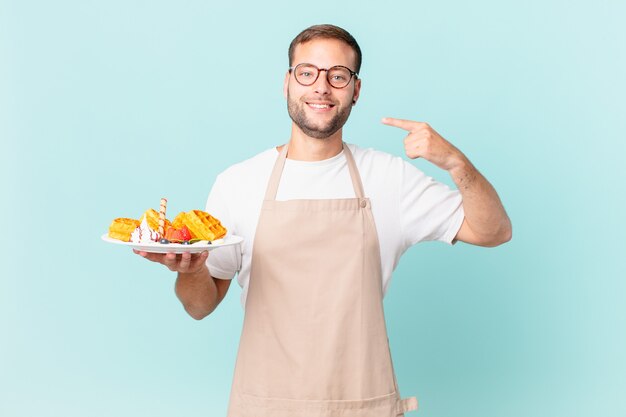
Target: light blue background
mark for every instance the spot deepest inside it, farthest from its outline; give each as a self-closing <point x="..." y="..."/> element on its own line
<point x="107" y="106"/>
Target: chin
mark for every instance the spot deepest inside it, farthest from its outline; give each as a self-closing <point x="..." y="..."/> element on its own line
<point x="317" y="132"/>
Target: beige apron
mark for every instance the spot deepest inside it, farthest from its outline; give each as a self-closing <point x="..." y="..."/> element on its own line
<point x="314" y="342"/>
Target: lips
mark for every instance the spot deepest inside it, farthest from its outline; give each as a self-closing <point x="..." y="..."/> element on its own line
<point x="316" y="105"/>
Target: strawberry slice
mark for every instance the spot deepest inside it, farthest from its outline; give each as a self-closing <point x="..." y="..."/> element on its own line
<point x="185" y="233"/>
<point x="177" y="235"/>
<point x="173" y="234"/>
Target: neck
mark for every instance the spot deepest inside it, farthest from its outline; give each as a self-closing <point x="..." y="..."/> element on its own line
<point x="306" y="148"/>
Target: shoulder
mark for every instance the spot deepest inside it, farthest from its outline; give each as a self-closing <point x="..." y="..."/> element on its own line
<point x="238" y="190"/>
<point x="367" y="155"/>
<point x="371" y="161"/>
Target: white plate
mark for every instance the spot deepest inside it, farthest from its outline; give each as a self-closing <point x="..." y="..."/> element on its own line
<point x="156" y="247"/>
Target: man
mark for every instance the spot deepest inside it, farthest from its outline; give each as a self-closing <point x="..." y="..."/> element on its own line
<point x="324" y="226"/>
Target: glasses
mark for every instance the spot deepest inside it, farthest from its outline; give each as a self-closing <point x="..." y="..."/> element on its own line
<point x="337" y="76"/>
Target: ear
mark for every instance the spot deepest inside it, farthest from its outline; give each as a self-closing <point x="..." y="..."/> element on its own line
<point x="357" y="91"/>
<point x="286" y="84"/>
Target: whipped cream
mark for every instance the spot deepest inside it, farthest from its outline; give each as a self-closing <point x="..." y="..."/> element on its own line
<point x="143" y="234"/>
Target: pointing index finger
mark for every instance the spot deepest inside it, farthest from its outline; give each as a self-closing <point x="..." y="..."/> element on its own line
<point x="407" y="125"/>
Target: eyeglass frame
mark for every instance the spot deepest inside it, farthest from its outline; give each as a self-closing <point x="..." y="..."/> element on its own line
<point x="319" y="71"/>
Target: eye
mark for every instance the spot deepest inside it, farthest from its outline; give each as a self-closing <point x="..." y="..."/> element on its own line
<point x="339" y="75"/>
<point x="306" y="72"/>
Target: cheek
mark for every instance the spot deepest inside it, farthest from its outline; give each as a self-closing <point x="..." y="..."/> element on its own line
<point x="346" y="97"/>
<point x="295" y="92"/>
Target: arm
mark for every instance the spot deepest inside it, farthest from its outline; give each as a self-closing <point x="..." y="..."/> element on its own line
<point x="198" y="291"/>
<point x="486" y="222"/>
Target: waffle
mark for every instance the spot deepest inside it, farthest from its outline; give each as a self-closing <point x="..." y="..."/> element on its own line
<point x="201" y="225"/>
<point x="177" y="223"/>
<point x="122" y="227"/>
<point x="152" y="216"/>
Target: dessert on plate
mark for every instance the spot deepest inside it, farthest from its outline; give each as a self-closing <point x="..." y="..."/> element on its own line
<point x="152" y="226"/>
<point x="122" y="228"/>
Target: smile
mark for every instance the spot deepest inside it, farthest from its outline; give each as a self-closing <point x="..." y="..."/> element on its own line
<point x="321" y="106"/>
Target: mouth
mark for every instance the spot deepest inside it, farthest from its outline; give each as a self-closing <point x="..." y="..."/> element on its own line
<point x="320" y="106"/>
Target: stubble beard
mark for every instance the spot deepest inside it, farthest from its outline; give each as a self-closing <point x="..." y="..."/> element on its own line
<point x="310" y="128"/>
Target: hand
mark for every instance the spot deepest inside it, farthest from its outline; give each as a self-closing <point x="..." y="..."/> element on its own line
<point x="424" y="142"/>
<point x="181" y="262"/>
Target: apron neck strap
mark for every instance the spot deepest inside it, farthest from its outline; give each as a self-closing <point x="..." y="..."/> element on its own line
<point x="272" y="186"/>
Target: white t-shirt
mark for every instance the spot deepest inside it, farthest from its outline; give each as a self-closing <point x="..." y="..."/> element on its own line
<point x="408" y="206"/>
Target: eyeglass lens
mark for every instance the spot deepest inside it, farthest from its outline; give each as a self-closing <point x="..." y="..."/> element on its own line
<point x="307" y="74"/>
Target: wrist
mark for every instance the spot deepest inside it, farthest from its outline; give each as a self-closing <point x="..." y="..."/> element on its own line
<point x="202" y="271"/>
<point x="462" y="172"/>
<point x="459" y="165"/>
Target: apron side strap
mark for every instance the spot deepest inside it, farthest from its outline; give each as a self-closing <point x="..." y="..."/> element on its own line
<point x="272" y="185"/>
<point x="406" y="404"/>
<point x="357" y="184"/>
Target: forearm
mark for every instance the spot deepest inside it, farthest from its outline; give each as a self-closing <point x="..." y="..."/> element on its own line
<point x="484" y="213"/>
<point x="486" y="222"/>
<point x="198" y="292"/>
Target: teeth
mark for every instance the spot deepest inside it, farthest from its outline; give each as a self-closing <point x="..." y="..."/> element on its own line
<point x="319" y="106"/>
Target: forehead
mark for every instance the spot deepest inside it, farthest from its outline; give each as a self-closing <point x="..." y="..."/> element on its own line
<point x="324" y="53"/>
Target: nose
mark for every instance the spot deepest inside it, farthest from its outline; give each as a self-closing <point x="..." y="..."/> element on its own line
<point x="321" y="85"/>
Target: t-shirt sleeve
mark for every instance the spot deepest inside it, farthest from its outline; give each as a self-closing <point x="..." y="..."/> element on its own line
<point x="429" y="210"/>
<point x="223" y="263"/>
